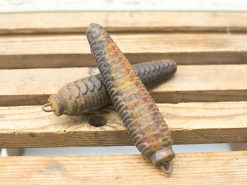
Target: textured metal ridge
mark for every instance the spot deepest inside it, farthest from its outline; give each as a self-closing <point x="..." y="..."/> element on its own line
<point x="145" y="124"/>
<point x="89" y="94"/>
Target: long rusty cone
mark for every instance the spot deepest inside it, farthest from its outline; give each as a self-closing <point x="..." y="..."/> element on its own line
<point x="139" y="113"/>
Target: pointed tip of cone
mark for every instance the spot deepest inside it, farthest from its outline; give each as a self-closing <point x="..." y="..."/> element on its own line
<point x="94" y="26"/>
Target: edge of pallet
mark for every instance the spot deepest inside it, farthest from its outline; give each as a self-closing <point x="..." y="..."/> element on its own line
<point x="188" y="168"/>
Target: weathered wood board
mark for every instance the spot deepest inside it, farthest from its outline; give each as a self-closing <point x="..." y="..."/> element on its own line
<point x="28" y="126"/>
<point x="65" y="50"/>
<point x="192" y="168"/>
<point x="190" y="83"/>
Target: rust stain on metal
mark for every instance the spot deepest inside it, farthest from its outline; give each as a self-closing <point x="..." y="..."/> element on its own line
<point x="89" y="94"/>
<point x="145" y="124"/>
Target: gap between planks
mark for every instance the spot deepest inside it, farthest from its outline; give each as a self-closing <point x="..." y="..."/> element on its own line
<point x="191" y="168"/>
<point x="190" y="83"/>
<point x="29" y="126"/>
<point x="74" y="51"/>
<point x="77" y="22"/>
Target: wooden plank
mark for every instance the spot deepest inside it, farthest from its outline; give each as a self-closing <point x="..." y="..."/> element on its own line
<point x="73" y="50"/>
<point x="28" y="126"/>
<point x="190" y="83"/>
<point x="77" y="22"/>
<point x="191" y="168"/>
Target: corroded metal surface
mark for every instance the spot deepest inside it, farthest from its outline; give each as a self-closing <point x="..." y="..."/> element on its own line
<point x="145" y="124"/>
<point x="89" y="94"/>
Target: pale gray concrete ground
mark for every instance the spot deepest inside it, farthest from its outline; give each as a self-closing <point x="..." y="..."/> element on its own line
<point x="116" y="150"/>
<point x="133" y="5"/>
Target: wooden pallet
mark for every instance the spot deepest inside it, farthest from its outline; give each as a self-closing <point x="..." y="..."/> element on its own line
<point x="205" y="102"/>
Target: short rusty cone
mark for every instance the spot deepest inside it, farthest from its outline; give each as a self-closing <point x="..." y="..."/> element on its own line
<point x="90" y="94"/>
<point x="145" y="124"/>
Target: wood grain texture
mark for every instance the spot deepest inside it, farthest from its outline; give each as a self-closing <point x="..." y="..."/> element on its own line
<point x="73" y="50"/>
<point x="190" y="83"/>
<point x="192" y="168"/>
<point x="77" y="22"/>
<point x="28" y="126"/>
